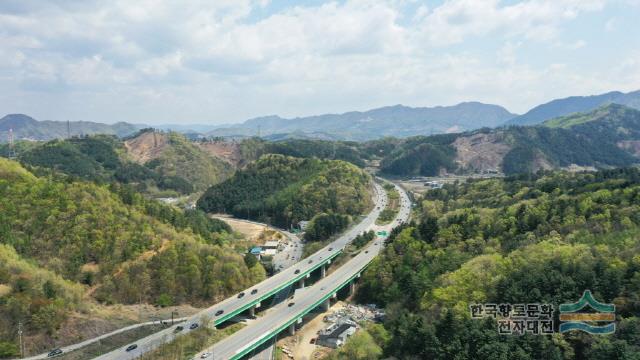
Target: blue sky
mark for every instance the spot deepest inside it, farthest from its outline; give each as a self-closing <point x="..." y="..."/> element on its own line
<point x="178" y="61"/>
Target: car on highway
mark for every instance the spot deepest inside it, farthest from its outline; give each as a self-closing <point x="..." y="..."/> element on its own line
<point x="297" y="271"/>
<point x="178" y="329"/>
<point x="291" y="304"/>
<point x="205" y="355"/>
<point x="131" y="347"/>
<point x="193" y="326"/>
<point x="55" y="352"/>
<point x="310" y="261"/>
<point x="219" y="312"/>
<point x="240" y="295"/>
<point x="330" y="248"/>
<point x="254" y="291"/>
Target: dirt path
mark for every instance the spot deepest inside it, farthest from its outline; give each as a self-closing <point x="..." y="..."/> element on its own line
<point x="300" y="344"/>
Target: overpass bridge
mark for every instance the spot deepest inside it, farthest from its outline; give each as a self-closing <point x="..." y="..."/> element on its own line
<point x="286" y="315"/>
<point x="253" y="297"/>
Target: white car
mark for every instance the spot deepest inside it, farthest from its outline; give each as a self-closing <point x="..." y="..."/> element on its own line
<point x="205" y="355"/>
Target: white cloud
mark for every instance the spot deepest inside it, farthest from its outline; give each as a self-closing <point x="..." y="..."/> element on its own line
<point x="220" y="60"/>
<point x="539" y="20"/>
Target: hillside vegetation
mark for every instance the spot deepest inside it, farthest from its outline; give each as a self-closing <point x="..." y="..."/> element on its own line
<point x="574" y="105"/>
<point x="528" y="239"/>
<point x="115" y="245"/>
<point x="173" y="156"/>
<point x="607" y="137"/>
<point x="180" y="167"/>
<point x="283" y="190"/>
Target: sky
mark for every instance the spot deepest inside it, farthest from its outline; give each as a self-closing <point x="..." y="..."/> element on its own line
<point x="224" y="61"/>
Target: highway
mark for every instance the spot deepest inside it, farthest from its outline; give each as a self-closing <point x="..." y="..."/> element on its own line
<point x="237" y="303"/>
<point x="87" y="342"/>
<point x="288" y="312"/>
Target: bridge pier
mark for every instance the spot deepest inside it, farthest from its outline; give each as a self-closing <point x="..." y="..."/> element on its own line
<point x="351" y="287"/>
<point x="323" y="271"/>
<point x="301" y="283"/>
<point x="326" y="305"/>
<point x="252" y="311"/>
<point x="292" y="329"/>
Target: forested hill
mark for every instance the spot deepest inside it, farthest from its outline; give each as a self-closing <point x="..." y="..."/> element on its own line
<point x="606" y="137"/>
<point x="175" y="166"/>
<point x="283" y="190"/>
<point x="76" y="242"/>
<point x="527" y="239"/>
<point x="173" y="156"/>
<point x="575" y="104"/>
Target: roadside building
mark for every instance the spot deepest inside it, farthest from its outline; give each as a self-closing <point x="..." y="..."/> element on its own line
<point x="256" y="251"/>
<point x="336" y="335"/>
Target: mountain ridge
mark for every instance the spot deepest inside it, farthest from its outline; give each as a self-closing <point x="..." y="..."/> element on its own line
<point x="395" y="120"/>
<point x="575" y="104"/>
<point x="27" y="128"/>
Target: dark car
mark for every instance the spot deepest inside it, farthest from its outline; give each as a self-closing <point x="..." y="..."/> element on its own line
<point x="178" y="329"/>
<point x="310" y="261"/>
<point x="240" y="295"/>
<point x="254" y="291"/>
<point x="219" y="312"/>
<point x="193" y="326"/>
<point x="366" y="252"/>
<point x="297" y="271"/>
<point x="132" y="347"/>
<point x="55" y="352"/>
<point x="291" y="304"/>
<point x="330" y="248"/>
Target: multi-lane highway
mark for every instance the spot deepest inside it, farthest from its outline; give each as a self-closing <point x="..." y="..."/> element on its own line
<point x="251" y="297"/>
<point x="287" y="313"/>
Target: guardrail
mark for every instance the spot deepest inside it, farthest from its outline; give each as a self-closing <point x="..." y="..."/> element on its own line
<point x="277" y="289"/>
<point x="264" y="339"/>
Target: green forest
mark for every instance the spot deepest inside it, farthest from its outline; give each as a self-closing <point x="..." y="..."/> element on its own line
<point x="590" y="139"/>
<point x="100" y="159"/>
<point x="542" y="238"/>
<point x="60" y="238"/>
<point x="181" y="168"/>
<point x="284" y="190"/>
<point x="184" y="160"/>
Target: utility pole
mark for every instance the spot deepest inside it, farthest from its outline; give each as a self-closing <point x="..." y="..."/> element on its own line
<point x="174" y="312"/>
<point x="20" y="336"/>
